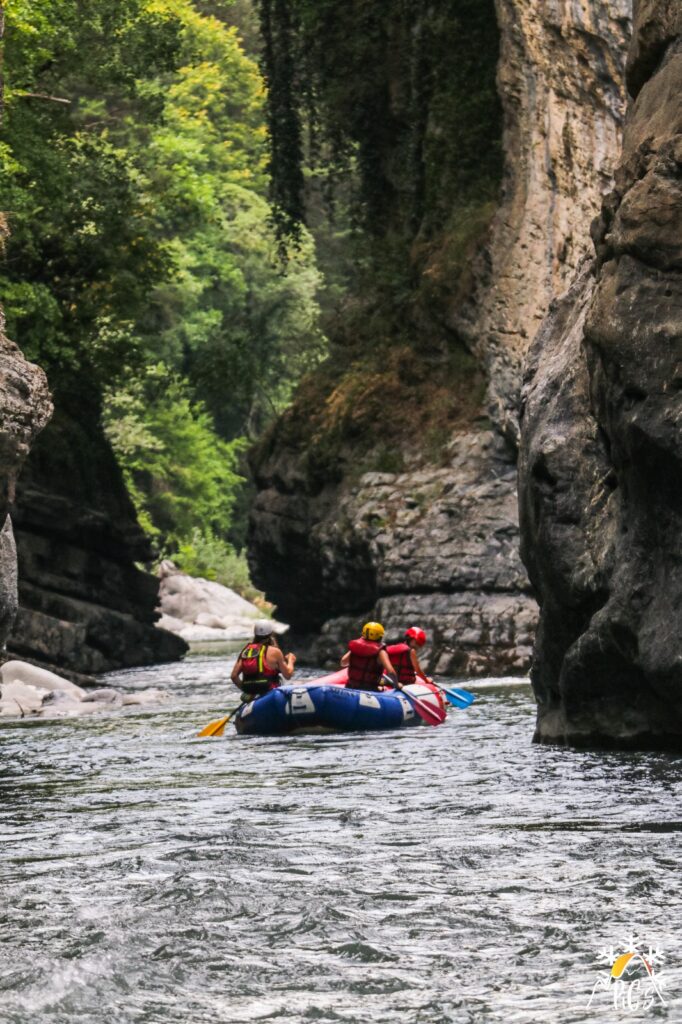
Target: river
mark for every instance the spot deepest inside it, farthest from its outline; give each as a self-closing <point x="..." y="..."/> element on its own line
<point x="455" y="874"/>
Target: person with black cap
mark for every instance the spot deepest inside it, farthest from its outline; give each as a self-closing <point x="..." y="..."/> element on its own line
<point x="261" y="664"/>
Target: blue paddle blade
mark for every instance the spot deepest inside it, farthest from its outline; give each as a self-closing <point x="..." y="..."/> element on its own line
<point x="459" y="698"/>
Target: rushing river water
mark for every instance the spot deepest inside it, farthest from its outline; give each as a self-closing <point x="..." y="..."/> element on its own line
<point x="422" y="876"/>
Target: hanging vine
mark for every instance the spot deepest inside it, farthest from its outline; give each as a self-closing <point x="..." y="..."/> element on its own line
<point x="400" y="94"/>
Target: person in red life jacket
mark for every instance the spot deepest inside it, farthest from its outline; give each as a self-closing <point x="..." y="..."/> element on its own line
<point x="404" y="658"/>
<point x="367" y="660"/>
<point x="261" y="664"/>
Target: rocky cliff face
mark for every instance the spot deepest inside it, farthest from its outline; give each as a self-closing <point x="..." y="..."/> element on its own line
<point x="25" y="408"/>
<point x="437" y="543"/>
<point x="601" y="459"/>
<point x="560" y="79"/>
<point x="84" y="605"/>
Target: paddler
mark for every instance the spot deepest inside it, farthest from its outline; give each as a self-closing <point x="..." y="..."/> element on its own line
<point x="367" y="660"/>
<point x="261" y="664"/>
<point x="403" y="656"/>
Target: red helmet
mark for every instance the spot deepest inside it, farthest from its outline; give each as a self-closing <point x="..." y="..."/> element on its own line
<point x="415" y="633"/>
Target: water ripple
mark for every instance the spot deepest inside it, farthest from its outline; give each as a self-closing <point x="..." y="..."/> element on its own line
<point x="429" y="876"/>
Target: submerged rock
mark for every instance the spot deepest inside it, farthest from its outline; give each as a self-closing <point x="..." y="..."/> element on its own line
<point x="28" y="690"/>
<point x="601" y="467"/>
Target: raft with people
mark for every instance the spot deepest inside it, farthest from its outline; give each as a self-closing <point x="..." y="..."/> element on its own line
<point x="379" y="687"/>
<point x="332" y="706"/>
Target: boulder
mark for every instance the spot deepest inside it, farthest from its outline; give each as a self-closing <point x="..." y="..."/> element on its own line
<point x="199" y="610"/>
<point x="29" y="690"/>
<point x="31" y="675"/>
<point x="20" y="699"/>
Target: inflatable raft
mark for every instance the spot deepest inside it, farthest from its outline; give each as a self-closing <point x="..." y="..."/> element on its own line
<point x="327" y="705"/>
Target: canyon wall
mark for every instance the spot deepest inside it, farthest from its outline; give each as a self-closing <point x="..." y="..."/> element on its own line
<point x="435" y="540"/>
<point x="85" y="606"/>
<point x="561" y="82"/>
<point x="25" y="408"/>
<point x="601" y="456"/>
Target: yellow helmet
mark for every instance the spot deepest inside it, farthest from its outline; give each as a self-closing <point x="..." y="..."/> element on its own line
<point x="372" y="631"/>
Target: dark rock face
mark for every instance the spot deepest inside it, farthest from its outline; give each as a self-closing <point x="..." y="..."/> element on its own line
<point x="84" y="605"/>
<point x="25" y="408"/>
<point x="601" y="462"/>
<point x="436" y="546"/>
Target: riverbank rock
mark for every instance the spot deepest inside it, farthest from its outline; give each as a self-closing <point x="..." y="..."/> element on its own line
<point x="437" y="541"/>
<point x="601" y="466"/>
<point x="200" y="610"/>
<point x="27" y="690"/>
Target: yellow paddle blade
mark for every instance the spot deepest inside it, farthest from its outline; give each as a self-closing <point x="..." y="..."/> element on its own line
<point x="215" y="728"/>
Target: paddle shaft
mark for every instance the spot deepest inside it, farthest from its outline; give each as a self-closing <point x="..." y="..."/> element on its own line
<point x="426" y="713"/>
<point x="217" y="728"/>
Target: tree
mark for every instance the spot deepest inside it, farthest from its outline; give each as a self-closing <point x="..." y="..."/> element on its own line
<point x="135" y="162"/>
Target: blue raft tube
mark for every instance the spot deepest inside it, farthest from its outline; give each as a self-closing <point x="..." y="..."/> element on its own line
<point x="327" y="705"/>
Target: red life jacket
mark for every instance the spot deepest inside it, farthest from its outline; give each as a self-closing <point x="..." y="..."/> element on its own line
<point x="364" y="668"/>
<point x="401" y="659"/>
<point x="257" y="675"/>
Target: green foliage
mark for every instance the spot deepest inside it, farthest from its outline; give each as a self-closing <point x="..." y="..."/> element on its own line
<point x="143" y="270"/>
<point x="83" y="254"/>
<point x="239" y="324"/>
<point x="206" y="555"/>
<point x="178" y="472"/>
<point x="405" y="92"/>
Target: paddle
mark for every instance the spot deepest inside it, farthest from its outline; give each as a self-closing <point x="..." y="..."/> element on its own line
<point x="458" y="698"/>
<point x="217" y="728"/>
<point x="428" y="714"/>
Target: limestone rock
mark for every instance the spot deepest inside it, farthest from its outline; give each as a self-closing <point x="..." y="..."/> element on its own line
<point x="601" y="467"/>
<point x="561" y="81"/>
<point x="25" y="408"/>
<point x="436" y="546"/>
<point x="9" y="596"/>
<point x="199" y="610"/>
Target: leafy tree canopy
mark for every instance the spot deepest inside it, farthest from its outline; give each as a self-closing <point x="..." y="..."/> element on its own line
<point x="134" y="167"/>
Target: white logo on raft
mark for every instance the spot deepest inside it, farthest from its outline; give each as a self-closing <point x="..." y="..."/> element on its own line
<point x="300" y="702"/>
